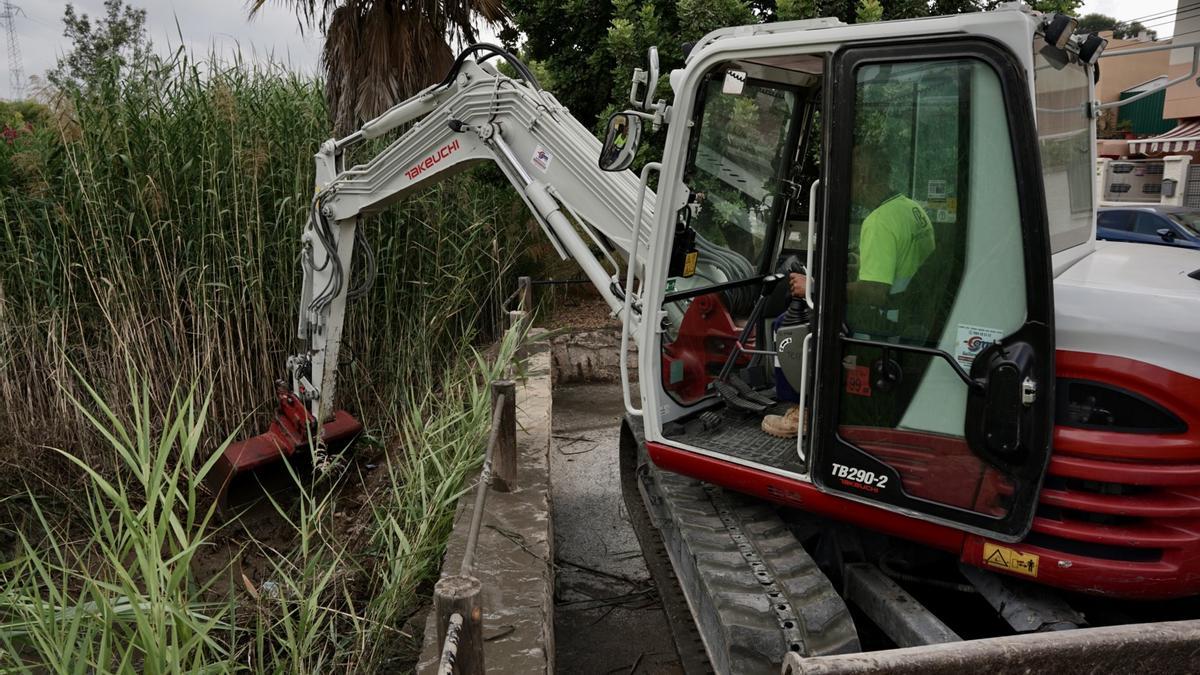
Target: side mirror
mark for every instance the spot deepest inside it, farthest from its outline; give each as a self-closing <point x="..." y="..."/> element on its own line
<point x="621" y="142"/>
<point x="1166" y="233"/>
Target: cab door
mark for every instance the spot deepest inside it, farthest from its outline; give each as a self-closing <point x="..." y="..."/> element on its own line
<point x="935" y="345"/>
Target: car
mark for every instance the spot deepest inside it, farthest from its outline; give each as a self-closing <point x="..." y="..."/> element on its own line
<point x="1150" y="224"/>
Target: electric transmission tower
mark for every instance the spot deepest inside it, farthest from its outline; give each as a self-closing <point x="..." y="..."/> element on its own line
<point x="16" y="73"/>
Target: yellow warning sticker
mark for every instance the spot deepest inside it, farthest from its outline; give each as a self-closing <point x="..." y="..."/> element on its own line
<point x="689" y="263"/>
<point x="1010" y="559"/>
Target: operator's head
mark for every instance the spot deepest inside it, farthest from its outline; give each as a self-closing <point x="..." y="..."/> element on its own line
<point x="870" y="174"/>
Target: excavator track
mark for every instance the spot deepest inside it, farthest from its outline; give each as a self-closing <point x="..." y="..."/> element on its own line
<point x="689" y="644"/>
<point x="753" y="592"/>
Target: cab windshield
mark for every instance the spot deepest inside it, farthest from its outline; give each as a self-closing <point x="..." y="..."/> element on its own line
<point x="737" y="164"/>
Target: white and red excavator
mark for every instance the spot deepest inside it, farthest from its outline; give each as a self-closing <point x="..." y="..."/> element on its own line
<point x="1014" y="419"/>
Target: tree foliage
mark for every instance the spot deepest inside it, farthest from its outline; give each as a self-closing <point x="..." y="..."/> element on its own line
<point x="868" y="11"/>
<point x="16" y="114"/>
<point x="103" y="50"/>
<point x="1096" y="22"/>
<point x="593" y="54"/>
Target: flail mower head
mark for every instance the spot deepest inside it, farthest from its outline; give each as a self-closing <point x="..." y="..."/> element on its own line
<point x="293" y="429"/>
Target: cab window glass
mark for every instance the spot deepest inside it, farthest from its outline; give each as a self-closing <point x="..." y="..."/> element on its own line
<point x="1065" y="140"/>
<point x="1149" y="223"/>
<point x="736" y="162"/>
<point x="1189" y="221"/>
<point x="936" y="262"/>
<point x="1116" y="220"/>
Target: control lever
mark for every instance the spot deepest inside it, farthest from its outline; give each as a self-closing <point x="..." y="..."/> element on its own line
<point x="797" y="309"/>
<point x="734" y="391"/>
<point x="769" y="283"/>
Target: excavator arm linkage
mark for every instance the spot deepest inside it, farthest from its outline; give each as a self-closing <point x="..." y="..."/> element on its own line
<point x="475" y="114"/>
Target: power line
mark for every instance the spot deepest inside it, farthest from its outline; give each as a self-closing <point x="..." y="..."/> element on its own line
<point x="1159" y="15"/>
<point x="1151" y="24"/>
<point x="1172" y="38"/>
<point x="16" y="71"/>
<point x="1162" y="21"/>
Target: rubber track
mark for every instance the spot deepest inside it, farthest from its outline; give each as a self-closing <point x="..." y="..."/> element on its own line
<point x="755" y="592"/>
<point x="688" y="644"/>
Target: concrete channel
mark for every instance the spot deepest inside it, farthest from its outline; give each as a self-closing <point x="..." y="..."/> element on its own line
<point x="514" y="557"/>
<point x="608" y="618"/>
<point x="565" y="589"/>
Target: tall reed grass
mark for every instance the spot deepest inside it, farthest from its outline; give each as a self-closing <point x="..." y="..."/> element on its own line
<point x="150" y="235"/>
<point x="157" y="223"/>
<point x="119" y="590"/>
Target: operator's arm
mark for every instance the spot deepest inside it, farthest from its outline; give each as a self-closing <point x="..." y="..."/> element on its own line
<point x="876" y="272"/>
<point x="858" y="292"/>
<point x="878" y="252"/>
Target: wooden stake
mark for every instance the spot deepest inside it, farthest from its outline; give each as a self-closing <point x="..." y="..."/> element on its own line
<point x="461" y="594"/>
<point x="504" y="455"/>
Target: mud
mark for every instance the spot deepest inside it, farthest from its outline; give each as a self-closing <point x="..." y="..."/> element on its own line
<point x="608" y="618"/>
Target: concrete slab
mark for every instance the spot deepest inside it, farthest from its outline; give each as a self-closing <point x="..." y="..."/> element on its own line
<point x="591" y="356"/>
<point x="607" y="615"/>
<point x="515" y="551"/>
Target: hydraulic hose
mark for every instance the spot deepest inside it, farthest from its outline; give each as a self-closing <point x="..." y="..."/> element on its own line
<point x="494" y="50"/>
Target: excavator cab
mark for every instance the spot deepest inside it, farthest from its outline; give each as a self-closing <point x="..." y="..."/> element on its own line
<point x="902" y="177"/>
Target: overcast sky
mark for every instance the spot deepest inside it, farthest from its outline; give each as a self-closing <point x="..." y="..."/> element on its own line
<point x="223" y="25"/>
<point x="204" y="24"/>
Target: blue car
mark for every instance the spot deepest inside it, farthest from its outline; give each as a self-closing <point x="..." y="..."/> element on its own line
<point x="1152" y="224"/>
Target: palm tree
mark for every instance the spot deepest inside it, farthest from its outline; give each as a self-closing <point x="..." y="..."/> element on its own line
<point x="380" y="52"/>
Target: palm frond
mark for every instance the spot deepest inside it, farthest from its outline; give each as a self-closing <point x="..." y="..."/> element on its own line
<point x="379" y="52"/>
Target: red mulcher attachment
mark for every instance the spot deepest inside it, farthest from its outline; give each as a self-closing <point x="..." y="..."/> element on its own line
<point x="291" y="430"/>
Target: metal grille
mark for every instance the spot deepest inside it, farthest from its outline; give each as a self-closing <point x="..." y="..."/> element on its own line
<point x="1191" y="194"/>
<point x="1134" y="181"/>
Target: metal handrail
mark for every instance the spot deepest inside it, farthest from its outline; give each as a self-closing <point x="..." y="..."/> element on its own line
<point x="450" y="646"/>
<point x="485" y="480"/>
<point x="455" y="624"/>
<point x="630" y="276"/>
<point x="1195" y="68"/>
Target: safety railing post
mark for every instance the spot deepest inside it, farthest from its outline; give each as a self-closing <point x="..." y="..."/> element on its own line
<point x="525" y="286"/>
<point x="504" y="459"/>
<point x="518" y="321"/>
<point x="463" y="654"/>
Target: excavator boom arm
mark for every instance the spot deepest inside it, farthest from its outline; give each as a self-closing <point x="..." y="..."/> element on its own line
<point x="476" y="114"/>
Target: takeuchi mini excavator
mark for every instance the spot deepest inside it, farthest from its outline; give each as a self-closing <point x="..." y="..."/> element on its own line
<point x="1016" y="398"/>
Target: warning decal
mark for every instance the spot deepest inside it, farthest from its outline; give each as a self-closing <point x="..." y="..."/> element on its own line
<point x="858" y="381"/>
<point x="1010" y="559"/>
<point x="542" y="158"/>
<point x="972" y="340"/>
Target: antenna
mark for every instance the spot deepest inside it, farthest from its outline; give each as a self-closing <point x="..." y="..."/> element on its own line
<point x="16" y="73"/>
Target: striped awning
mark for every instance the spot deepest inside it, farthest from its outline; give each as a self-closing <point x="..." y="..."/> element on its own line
<point x="1183" y="138"/>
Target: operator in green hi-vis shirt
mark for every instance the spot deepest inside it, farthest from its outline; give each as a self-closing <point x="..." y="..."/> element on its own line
<point x="896" y="238"/>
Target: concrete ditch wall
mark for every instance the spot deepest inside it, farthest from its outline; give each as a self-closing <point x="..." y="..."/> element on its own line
<point x="514" y="558"/>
